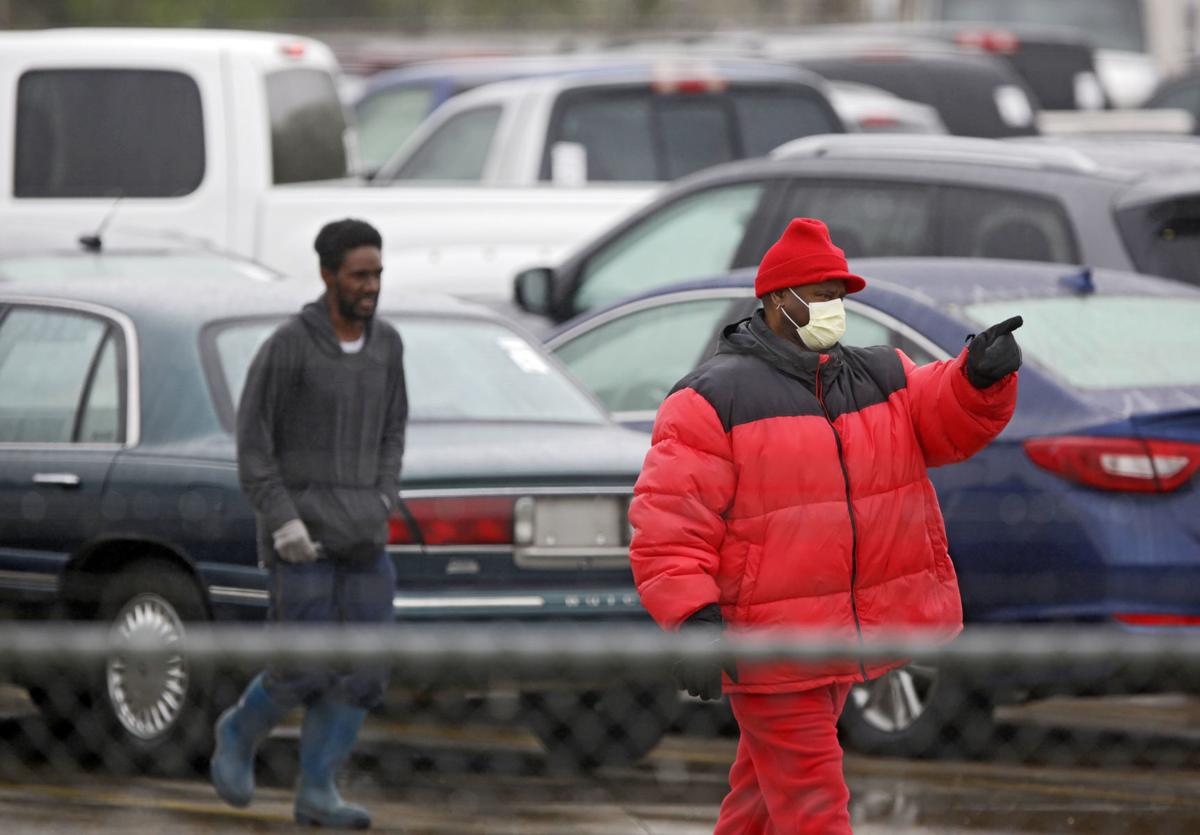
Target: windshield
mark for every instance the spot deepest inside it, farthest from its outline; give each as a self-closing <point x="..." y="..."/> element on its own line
<point x="1075" y="338"/>
<point x="387" y="119"/>
<point x="1115" y="24"/>
<point x="456" y="369"/>
<point x="110" y="265"/>
<point x="1164" y="238"/>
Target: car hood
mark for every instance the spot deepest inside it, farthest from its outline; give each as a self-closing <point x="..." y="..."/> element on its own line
<point x="473" y="452"/>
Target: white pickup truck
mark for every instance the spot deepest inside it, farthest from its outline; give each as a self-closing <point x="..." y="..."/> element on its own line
<point x="238" y="140"/>
<point x="604" y="118"/>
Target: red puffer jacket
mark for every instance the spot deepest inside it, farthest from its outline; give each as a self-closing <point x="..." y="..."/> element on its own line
<point x="790" y="487"/>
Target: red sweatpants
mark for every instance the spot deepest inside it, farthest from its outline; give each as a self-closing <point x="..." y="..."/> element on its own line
<point x="787" y="778"/>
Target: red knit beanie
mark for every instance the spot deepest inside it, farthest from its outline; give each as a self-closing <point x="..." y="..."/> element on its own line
<point x="803" y="255"/>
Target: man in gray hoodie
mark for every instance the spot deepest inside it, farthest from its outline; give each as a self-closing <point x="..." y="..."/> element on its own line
<point x="320" y="435"/>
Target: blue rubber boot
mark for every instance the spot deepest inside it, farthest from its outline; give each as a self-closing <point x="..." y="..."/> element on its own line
<point x="326" y="739"/>
<point x="239" y="731"/>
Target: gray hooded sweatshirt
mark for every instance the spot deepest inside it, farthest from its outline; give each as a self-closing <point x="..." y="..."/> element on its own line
<point x="320" y="433"/>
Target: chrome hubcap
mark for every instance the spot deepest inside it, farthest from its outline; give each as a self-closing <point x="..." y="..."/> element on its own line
<point x="148" y="692"/>
<point x="894" y="702"/>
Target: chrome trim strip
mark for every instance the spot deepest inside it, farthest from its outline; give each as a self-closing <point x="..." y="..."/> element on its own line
<point x="29" y="578"/>
<point x="235" y="593"/>
<point x="448" y="550"/>
<point x="635" y="416"/>
<point x="133" y="365"/>
<point x="514" y="602"/>
<point x="895" y="324"/>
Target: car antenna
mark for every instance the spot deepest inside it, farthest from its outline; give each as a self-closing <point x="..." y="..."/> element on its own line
<point x="1079" y="283"/>
<point x="95" y="242"/>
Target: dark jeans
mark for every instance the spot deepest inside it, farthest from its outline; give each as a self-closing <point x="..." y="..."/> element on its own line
<point x="330" y="591"/>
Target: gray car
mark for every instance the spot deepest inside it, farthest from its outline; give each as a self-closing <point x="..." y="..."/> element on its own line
<point x="1131" y="205"/>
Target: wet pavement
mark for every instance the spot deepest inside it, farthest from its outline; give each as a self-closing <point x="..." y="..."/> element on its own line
<point x="1129" y="766"/>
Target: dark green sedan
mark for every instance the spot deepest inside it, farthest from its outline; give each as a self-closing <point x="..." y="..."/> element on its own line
<point x="119" y="499"/>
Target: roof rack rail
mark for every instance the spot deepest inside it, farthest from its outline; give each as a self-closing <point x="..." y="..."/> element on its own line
<point x="966" y="149"/>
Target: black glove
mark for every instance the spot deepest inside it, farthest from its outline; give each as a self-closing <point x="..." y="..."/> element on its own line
<point x="702" y="677"/>
<point x="994" y="354"/>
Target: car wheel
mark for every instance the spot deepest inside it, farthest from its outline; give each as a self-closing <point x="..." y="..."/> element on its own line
<point x="616" y="726"/>
<point x="917" y="710"/>
<point x="151" y="713"/>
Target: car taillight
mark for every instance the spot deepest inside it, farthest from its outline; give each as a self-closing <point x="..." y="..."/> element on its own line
<point x="690" y="85"/>
<point x="1131" y="464"/>
<point x="877" y="122"/>
<point x="1156" y="619"/>
<point x="469" y="520"/>
<point x="989" y="40"/>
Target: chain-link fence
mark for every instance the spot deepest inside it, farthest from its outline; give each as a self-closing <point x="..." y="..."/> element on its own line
<point x="502" y="714"/>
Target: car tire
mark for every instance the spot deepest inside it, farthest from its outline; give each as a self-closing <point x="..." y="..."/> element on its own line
<point x="616" y="726"/>
<point x="917" y="711"/>
<point x="146" y="714"/>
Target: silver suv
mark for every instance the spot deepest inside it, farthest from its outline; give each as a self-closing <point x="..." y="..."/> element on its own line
<point x="1127" y="205"/>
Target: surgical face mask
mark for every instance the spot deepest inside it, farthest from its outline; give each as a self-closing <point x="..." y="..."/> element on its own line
<point x="826" y="323"/>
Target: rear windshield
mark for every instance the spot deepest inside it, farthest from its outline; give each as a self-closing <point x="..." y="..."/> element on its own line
<point x="108" y="133"/>
<point x="456" y="369"/>
<point x="1164" y="238"/>
<point x="974" y="95"/>
<point x="637" y="134"/>
<point x="1077" y="339"/>
<point x="308" y="127"/>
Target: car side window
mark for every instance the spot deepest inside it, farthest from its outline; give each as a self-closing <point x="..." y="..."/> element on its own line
<point x="387" y="119"/>
<point x="863" y="331"/>
<point x="632" y="362"/>
<point x="48" y="369"/>
<point x="866" y="219"/>
<point x="695" y="237"/>
<point x="100" y="422"/>
<point x="458" y="150"/>
<point x="991" y="223"/>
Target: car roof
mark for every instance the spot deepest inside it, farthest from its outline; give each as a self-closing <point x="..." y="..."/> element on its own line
<point x="199" y="299"/>
<point x="945" y="282"/>
<point x="665" y="70"/>
<point x="947" y="152"/>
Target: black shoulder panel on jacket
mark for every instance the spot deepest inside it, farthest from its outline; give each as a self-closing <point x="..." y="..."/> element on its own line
<point x="743" y="388"/>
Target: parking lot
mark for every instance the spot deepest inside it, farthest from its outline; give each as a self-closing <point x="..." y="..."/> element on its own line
<point x="1100" y="766"/>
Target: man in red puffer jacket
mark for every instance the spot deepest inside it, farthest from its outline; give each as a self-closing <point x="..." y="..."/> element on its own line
<point x="786" y="486"/>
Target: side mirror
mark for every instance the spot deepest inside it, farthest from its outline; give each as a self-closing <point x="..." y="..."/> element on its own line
<point x="531" y="290"/>
<point x="568" y="164"/>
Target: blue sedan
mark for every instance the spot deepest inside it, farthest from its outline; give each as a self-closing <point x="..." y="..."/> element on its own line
<point x="1084" y="510"/>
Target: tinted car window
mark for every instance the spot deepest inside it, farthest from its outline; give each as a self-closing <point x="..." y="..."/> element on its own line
<point x="108" y="133"/>
<point x="386" y="119"/>
<point x="616" y="132"/>
<point x="1073" y="337"/>
<point x="769" y="118"/>
<point x="631" y="363"/>
<point x="863" y="331"/>
<point x="455" y="369"/>
<point x="308" y="127"/>
<point x="867" y="218"/>
<point x="640" y="134"/>
<point x="457" y="150"/>
<point x="46" y="359"/>
<point x="988" y="223"/>
<point x="696" y="236"/>
<point x="975" y="95"/>
<point x="1164" y="238"/>
<point x="695" y="134"/>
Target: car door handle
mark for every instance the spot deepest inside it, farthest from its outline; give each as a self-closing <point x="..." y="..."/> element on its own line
<point x="56" y="479"/>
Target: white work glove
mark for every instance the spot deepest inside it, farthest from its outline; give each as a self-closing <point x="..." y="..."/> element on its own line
<point x="293" y="544"/>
